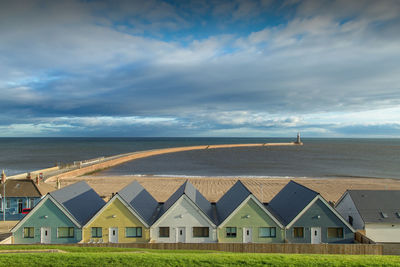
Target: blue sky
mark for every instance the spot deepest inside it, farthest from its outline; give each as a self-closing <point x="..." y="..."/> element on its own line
<point x="200" y="68"/>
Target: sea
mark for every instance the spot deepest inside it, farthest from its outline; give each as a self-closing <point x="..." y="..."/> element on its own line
<point x="318" y="157"/>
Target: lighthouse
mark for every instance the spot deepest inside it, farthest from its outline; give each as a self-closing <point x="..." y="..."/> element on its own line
<point x="298" y="140"/>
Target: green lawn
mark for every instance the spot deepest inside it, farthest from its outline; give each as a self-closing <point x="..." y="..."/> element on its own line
<point x="95" y="256"/>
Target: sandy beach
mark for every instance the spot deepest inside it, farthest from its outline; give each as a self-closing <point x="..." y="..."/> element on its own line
<point x="214" y="187"/>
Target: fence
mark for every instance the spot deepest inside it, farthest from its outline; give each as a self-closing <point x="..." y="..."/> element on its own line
<point x="362" y="239"/>
<point x="353" y="249"/>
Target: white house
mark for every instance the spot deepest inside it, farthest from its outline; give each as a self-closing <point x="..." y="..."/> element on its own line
<point x="377" y="212"/>
<point x="186" y="217"/>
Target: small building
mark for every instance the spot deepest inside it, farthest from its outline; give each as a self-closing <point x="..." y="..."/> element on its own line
<point x="186" y="217"/>
<point x="308" y="217"/>
<point x="244" y="219"/>
<point x="126" y="218"/>
<point x="375" y="212"/>
<point x="19" y="194"/>
<point x="58" y="218"/>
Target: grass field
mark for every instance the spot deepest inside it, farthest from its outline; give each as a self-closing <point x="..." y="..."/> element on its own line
<point x="110" y="256"/>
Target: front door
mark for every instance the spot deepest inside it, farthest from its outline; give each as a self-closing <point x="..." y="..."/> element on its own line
<point x="247" y="235"/>
<point x="45" y="235"/>
<point x="113" y="235"/>
<point x="181" y="235"/>
<point x="315" y="235"/>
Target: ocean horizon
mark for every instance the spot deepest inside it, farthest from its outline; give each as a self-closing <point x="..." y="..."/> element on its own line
<point x="319" y="157"/>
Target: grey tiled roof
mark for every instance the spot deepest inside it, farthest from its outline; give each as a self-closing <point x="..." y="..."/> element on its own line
<point x="80" y="200"/>
<point x="290" y="201"/>
<point x="194" y="195"/>
<point x="231" y="200"/>
<point x="20" y="188"/>
<point x="140" y="201"/>
<point x="374" y="204"/>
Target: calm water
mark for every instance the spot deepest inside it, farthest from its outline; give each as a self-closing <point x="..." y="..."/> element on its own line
<point x="317" y="158"/>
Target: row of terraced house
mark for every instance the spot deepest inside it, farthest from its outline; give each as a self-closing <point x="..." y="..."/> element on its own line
<point x="76" y="213"/>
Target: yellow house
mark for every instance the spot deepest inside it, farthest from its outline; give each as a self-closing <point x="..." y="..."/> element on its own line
<point x="126" y="218"/>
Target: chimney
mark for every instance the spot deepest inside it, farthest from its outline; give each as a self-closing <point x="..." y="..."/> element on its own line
<point x="37" y="179"/>
<point x="3" y="177"/>
<point x="29" y="176"/>
<point x="58" y="183"/>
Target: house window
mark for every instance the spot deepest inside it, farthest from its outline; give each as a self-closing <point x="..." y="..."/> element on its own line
<point x="97" y="232"/>
<point x="334" y="232"/>
<point x="29" y="232"/>
<point x="201" y="232"/>
<point x="8" y="203"/>
<point x="164" y="232"/>
<point x="65" y="232"/>
<point x="298" y="232"/>
<point x="133" y="231"/>
<point x="230" y="231"/>
<point x="31" y="203"/>
<point x="1" y="204"/>
<point x="267" y="232"/>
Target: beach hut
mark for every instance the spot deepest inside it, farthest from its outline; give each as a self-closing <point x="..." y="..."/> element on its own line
<point x="126" y="217"/>
<point x="375" y="212"/>
<point x="58" y="218"/>
<point x="186" y="217"/>
<point x="308" y="217"/>
<point x="243" y="218"/>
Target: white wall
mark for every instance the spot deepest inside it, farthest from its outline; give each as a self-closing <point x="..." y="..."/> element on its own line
<point x="347" y="208"/>
<point x="383" y="232"/>
<point x="183" y="214"/>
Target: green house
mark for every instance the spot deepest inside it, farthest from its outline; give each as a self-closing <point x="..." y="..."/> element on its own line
<point x="244" y="219"/>
<point x="58" y="218"/>
<point x="308" y="217"/>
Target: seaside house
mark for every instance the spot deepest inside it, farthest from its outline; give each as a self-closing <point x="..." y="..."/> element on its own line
<point x="58" y="218"/>
<point x="244" y="219"/>
<point x="19" y="194"/>
<point x="308" y="217"/>
<point x="376" y="213"/>
<point x="126" y="218"/>
<point x="186" y="217"/>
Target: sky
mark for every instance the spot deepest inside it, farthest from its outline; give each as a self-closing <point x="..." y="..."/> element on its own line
<point x="259" y="68"/>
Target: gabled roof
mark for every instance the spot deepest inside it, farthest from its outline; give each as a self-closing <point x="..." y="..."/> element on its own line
<point x="194" y="195"/>
<point x="21" y="188"/>
<point x="377" y="206"/>
<point x="140" y="201"/>
<point x="80" y="200"/>
<point x="231" y="200"/>
<point x="291" y="200"/>
<point x="48" y="197"/>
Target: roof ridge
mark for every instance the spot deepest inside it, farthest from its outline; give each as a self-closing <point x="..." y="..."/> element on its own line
<point x="291" y="181"/>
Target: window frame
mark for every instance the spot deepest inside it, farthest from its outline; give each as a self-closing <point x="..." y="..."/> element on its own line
<point x="31" y="232"/>
<point x="96" y="230"/>
<point x="270" y="232"/>
<point x="68" y="231"/>
<point x="202" y="230"/>
<point x="136" y="232"/>
<point x="164" y="228"/>
<point x="337" y="230"/>
<point x="229" y="233"/>
<point x="295" y="230"/>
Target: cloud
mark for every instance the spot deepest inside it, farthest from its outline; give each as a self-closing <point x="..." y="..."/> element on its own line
<point x="243" y="67"/>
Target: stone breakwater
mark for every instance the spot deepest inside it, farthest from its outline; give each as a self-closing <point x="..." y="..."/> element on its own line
<point x="120" y="159"/>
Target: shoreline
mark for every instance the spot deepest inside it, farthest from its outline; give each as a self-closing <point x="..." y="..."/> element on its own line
<point x="115" y="160"/>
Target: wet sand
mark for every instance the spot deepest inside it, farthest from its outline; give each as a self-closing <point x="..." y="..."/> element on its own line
<point x="214" y="187"/>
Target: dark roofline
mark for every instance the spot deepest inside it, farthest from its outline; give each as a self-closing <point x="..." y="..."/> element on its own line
<point x="239" y="181"/>
<point x="291" y="181"/>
